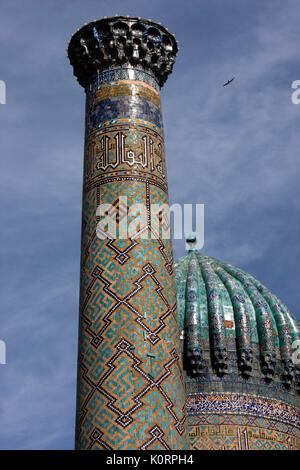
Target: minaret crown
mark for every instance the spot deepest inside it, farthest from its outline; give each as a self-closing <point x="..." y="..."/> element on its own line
<point x="122" y="40"/>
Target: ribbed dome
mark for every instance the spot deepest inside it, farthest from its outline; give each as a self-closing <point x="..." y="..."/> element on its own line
<point x="217" y="301"/>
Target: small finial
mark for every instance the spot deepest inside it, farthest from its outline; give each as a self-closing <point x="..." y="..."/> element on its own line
<point x="191" y="240"/>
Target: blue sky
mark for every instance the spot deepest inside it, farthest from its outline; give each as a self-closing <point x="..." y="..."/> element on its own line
<point x="235" y="149"/>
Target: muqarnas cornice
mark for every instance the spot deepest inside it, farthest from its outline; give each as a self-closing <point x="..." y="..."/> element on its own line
<point x="119" y="41"/>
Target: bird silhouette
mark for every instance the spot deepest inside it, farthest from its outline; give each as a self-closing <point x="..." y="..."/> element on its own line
<point x="229" y="81"/>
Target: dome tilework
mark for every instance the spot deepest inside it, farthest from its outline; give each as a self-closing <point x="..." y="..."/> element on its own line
<point x="237" y="345"/>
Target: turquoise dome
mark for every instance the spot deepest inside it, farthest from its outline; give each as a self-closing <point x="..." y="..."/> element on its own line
<point x="232" y="324"/>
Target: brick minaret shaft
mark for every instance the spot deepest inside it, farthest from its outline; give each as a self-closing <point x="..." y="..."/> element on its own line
<point x="130" y="387"/>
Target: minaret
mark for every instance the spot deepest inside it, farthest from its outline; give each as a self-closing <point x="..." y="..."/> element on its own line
<point x="130" y="386"/>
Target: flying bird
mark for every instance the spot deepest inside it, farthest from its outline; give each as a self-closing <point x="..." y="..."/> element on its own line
<point x="229" y="81"/>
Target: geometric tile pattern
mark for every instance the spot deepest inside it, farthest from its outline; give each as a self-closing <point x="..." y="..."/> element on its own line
<point x="130" y="382"/>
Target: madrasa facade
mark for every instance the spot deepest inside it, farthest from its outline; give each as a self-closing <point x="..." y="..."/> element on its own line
<point x="195" y="354"/>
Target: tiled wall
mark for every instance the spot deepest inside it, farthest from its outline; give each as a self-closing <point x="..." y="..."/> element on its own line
<point x="130" y="384"/>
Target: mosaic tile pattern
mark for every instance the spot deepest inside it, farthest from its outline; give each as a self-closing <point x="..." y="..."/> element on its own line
<point x="242" y="433"/>
<point x="132" y="105"/>
<point x="232" y="421"/>
<point x="114" y="75"/>
<point x="130" y="380"/>
<point x="241" y="386"/>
